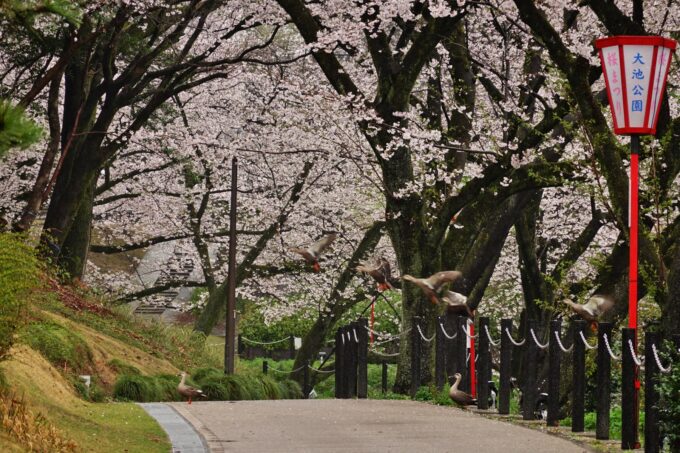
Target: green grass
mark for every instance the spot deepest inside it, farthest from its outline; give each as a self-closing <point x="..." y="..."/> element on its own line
<point x="183" y="347"/>
<point x="123" y="367"/>
<point x="325" y="384"/>
<point x="62" y="347"/>
<point x="95" y="427"/>
<point x="590" y="422"/>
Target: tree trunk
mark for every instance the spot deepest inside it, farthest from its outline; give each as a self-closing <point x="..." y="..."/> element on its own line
<point x="73" y="255"/>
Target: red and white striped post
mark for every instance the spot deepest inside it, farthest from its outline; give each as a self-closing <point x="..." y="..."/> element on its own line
<point x="635" y="71"/>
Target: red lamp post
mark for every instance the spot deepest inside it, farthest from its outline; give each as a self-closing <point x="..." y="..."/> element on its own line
<point x="635" y="71"/>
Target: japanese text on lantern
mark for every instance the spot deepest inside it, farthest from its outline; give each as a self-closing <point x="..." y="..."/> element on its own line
<point x="638" y="61"/>
<point x="613" y="68"/>
<point x="636" y="104"/>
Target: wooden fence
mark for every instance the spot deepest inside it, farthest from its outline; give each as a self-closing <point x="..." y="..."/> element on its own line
<point x="452" y="338"/>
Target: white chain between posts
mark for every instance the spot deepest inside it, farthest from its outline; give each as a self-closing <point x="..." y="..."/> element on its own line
<point x="658" y="361"/>
<point x="467" y="334"/>
<point x="542" y="346"/>
<point x="609" y="348"/>
<point x="637" y="361"/>
<point x="264" y="343"/>
<point x="446" y="334"/>
<point x="561" y="346"/>
<point x="284" y="371"/>
<point x="391" y="338"/>
<point x="356" y="339"/>
<point x="427" y="340"/>
<point x="488" y="335"/>
<point x="383" y="354"/>
<point x="512" y="340"/>
<point x="583" y="338"/>
<point x="321" y="371"/>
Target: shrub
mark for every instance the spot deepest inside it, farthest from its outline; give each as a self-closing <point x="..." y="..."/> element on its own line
<point x="215" y="390"/>
<point x="167" y="385"/>
<point x="290" y="389"/>
<point x="271" y="388"/>
<point x="252" y="325"/>
<point x="204" y="374"/>
<point x="60" y="346"/>
<point x="424" y="393"/>
<point x="97" y="394"/>
<point x="137" y="388"/>
<point x="121" y="367"/>
<point x="670" y="401"/>
<point x="237" y="389"/>
<point x="19" y="276"/>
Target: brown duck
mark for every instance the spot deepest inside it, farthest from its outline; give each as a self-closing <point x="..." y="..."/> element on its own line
<point x="188" y="391"/>
<point x="459" y="396"/>
<point x="456" y="303"/>
<point x="434" y="283"/>
<point x="313" y="252"/>
<point x="592" y="310"/>
<point x="381" y="272"/>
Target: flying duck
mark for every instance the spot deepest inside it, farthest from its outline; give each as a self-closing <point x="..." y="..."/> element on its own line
<point x="313" y="252"/>
<point x="433" y="283"/>
<point x="592" y="310"/>
<point x="381" y="272"/>
<point x="456" y="303"/>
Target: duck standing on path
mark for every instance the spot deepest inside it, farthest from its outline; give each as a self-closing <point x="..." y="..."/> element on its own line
<point x="434" y="283"/>
<point x="187" y="391"/>
<point x="459" y="396"/>
<point x="591" y="311"/>
<point x="313" y="252"/>
<point x="381" y="272"/>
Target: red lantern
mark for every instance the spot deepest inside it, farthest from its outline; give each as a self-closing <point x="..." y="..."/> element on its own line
<point x="635" y="70"/>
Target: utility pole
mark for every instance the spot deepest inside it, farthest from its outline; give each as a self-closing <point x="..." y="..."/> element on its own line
<point x="230" y="322"/>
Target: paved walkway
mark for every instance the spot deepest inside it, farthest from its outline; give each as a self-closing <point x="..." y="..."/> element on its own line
<point x="183" y="436"/>
<point x="370" y="426"/>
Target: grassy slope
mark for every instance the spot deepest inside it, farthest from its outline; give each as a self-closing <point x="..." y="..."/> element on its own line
<point x="96" y="427"/>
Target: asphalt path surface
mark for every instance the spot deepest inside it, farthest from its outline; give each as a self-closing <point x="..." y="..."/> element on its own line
<point x="369" y="426"/>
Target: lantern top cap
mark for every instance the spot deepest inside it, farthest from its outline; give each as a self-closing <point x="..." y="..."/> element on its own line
<point x="624" y="40"/>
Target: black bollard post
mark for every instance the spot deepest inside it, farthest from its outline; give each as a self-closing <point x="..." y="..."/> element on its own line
<point x="346" y="362"/>
<point x="604" y="366"/>
<point x="240" y="347"/>
<point x="291" y="346"/>
<point x="339" y="358"/>
<point x="415" y="356"/>
<point x="384" y="377"/>
<point x="347" y="365"/>
<point x="579" y="376"/>
<point x="652" y="432"/>
<point x="505" y="388"/>
<point x="440" y="354"/>
<point x="483" y="364"/>
<point x="305" y="381"/>
<point x="629" y="429"/>
<point x="354" y="363"/>
<point x="265" y="367"/>
<point x="554" y="363"/>
<point x="461" y="354"/>
<point x="362" y="358"/>
<point x="529" y="390"/>
<point x="451" y="326"/>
